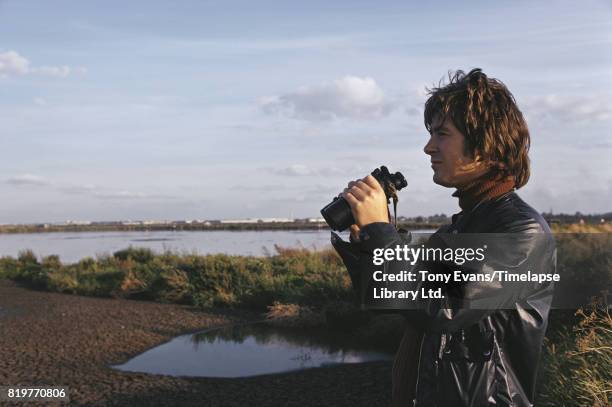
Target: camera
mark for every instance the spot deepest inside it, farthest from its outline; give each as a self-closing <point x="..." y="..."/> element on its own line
<point x="338" y="214"/>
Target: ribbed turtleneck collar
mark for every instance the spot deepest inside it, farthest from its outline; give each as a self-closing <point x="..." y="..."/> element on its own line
<point x="484" y="188"/>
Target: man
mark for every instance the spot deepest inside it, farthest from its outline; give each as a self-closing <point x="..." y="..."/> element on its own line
<point x="455" y="353"/>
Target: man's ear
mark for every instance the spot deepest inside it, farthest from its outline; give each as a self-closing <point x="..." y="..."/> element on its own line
<point x="479" y="160"/>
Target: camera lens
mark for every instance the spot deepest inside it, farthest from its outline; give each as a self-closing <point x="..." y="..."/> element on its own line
<point x="338" y="214"/>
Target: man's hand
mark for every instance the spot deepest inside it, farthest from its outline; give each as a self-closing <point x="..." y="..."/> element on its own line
<point x="367" y="200"/>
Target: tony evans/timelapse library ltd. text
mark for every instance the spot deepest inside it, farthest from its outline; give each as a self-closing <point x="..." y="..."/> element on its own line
<point x="459" y="256"/>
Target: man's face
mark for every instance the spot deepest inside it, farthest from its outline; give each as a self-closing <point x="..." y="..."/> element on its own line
<point x="451" y="166"/>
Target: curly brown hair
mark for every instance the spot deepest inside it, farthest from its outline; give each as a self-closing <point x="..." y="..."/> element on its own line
<point x="486" y="113"/>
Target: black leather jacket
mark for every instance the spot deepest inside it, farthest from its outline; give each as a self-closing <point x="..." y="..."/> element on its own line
<point x="474" y="356"/>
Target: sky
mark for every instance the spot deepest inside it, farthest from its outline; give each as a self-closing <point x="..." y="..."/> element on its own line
<point x="230" y="109"/>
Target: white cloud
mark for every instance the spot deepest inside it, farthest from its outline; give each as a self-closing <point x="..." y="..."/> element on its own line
<point x="11" y="64"/>
<point x="27" y="179"/>
<point x="570" y="108"/>
<point x="348" y="97"/>
<point x="40" y="101"/>
<point x="294" y="170"/>
<point x="54" y="71"/>
<point x="299" y="170"/>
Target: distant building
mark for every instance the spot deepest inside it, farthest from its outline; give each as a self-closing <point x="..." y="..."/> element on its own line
<point x="78" y="222"/>
<point x="258" y="220"/>
<point x="275" y="220"/>
<point x="239" y="220"/>
<point x="156" y="222"/>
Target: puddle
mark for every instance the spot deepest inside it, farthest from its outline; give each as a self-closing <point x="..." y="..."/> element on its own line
<point x="249" y="350"/>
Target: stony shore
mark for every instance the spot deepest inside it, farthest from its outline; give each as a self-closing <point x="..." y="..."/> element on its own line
<point x="57" y="339"/>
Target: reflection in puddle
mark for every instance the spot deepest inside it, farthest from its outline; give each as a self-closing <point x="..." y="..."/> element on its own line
<point x="248" y="350"/>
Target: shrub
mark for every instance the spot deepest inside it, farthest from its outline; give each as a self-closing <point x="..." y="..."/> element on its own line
<point x="138" y="254"/>
<point x="585" y="266"/>
<point x="10" y="268"/>
<point x="63" y="282"/>
<point x="172" y="285"/>
<point x="31" y="271"/>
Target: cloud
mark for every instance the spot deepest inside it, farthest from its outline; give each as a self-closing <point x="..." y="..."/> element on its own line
<point x="299" y="170"/>
<point x="316" y="189"/>
<point x="319" y="190"/>
<point x="13" y="64"/>
<point x="349" y="97"/>
<point x="570" y="108"/>
<point x="120" y="195"/>
<point x="294" y="170"/>
<point x="261" y="188"/>
<point x="27" y="179"/>
<point x="597" y="200"/>
<point x="53" y="71"/>
<point x="129" y="195"/>
<point x="78" y="189"/>
<point x="415" y="111"/>
<point x="250" y="45"/>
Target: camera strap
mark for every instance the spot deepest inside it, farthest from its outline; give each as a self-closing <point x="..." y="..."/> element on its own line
<point x="393" y="193"/>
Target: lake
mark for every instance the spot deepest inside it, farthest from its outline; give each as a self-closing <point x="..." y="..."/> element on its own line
<point x="244" y="350"/>
<point x="73" y="246"/>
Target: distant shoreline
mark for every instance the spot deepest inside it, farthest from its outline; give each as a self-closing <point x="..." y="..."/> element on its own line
<point x="556" y="223"/>
<point x="267" y="226"/>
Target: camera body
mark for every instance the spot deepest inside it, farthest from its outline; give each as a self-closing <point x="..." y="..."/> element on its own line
<point x="338" y="214"/>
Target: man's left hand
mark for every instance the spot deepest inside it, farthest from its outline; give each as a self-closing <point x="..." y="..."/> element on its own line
<point x="367" y="200"/>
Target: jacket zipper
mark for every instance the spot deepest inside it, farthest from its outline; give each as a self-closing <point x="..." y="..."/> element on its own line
<point x="416" y="387"/>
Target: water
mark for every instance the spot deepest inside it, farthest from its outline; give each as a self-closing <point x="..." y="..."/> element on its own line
<point x="249" y="350"/>
<point x="73" y="246"/>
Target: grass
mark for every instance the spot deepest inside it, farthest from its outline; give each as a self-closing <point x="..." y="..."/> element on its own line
<point x="581" y="228"/>
<point x="576" y="368"/>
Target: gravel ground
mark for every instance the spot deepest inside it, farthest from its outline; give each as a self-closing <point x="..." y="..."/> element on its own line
<point x="66" y="340"/>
